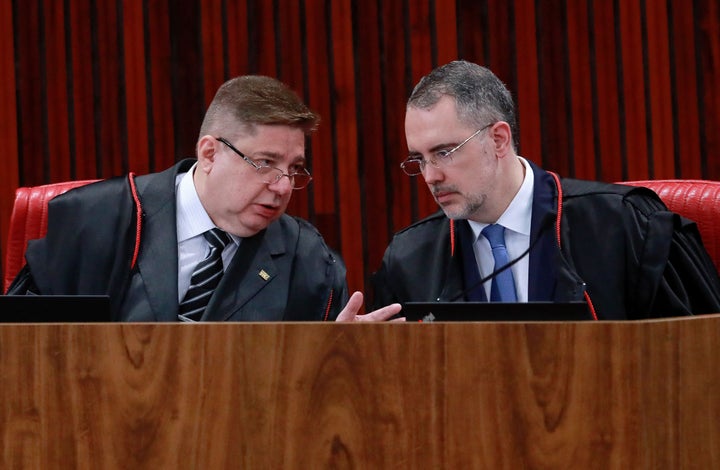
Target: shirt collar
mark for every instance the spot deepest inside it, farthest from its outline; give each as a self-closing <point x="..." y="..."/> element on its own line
<point x="192" y="219"/>
<point x="518" y="215"/>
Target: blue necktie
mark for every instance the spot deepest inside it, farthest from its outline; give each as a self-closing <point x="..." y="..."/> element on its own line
<point x="205" y="277"/>
<point x="503" y="285"/>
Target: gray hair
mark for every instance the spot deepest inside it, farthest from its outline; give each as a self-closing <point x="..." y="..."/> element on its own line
<point x="250" y="100"/>
<point x="480" y="96"/>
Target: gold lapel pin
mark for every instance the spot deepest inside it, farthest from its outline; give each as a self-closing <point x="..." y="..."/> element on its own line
<point x="264" y="275"/>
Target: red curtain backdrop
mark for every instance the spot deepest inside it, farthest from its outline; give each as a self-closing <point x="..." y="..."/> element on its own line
<point x="606" y="90"/>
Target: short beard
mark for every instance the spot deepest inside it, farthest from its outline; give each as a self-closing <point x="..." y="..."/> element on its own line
<point x="472" y="206"/>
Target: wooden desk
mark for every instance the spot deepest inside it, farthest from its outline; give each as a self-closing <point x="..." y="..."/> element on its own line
<point x="229" y="395"/>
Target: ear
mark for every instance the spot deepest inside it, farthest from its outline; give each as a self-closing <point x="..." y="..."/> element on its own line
<point x="502" y="137"/>
<point x="207" y="147"/>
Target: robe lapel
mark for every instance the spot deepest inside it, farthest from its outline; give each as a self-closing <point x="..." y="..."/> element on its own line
<point x="474" y="292"/>
<point x="451" y="280"/>
<point x="158" y="262"/>
<point x="542" y="271"/>
<point x="249" y="281"/>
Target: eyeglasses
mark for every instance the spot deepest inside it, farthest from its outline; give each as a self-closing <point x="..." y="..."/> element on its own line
<point x="415" y="165"/>
<point x="269" y="174"/>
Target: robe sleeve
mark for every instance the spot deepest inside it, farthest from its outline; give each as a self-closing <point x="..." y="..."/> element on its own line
<point x="674" y="271"/>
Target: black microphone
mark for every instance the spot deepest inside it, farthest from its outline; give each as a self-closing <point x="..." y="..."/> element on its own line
<point x="544" y="224"/>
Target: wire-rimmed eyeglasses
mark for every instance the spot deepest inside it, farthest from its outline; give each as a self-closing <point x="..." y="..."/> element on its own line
<point x="270" y="174"/>
<point x="415" y="165"/>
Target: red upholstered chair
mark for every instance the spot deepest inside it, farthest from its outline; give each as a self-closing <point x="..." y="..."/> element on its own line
<point x="28" y="221"/>
<point x="698" y="200"/>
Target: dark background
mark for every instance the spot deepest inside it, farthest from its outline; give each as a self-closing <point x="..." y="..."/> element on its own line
<point x="607" y="89"/>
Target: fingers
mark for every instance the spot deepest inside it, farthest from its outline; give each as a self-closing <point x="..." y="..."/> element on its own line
<point x="355" y="303"/>
<point x="382" y="314"/>
<point x="351" y="309"/>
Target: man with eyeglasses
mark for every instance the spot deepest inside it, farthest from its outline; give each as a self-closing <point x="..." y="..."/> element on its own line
<point x="207" y="239"/>
<point x="510" y="231"/>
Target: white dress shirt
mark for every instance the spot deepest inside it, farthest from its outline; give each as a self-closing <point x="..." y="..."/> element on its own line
<point x="192" y="222"/>
<point x="516" y="219"/>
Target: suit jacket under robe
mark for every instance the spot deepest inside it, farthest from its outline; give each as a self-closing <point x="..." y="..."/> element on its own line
<point x="286" y="272"/>
<point x="620" y="244"/>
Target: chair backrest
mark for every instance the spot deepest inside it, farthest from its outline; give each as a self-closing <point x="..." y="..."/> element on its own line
<point x="698" y="200"/>
<point x="28" y="220"/>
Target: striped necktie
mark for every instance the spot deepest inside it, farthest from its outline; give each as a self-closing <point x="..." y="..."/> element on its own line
<point x="205" y="277"/>
<point x="503" y="284"/>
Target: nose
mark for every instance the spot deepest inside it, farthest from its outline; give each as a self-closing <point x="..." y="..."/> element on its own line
<point x="283" y="185"/>
<point x="432" y="174"/>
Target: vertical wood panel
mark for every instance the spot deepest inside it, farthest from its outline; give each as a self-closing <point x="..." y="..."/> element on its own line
<point x="373" y="221"/>
<point x="346" y="145"/>
<point x="160" y="129"/>
<point x="56" y="84"/>
<point x="263" y="40"/>
<point x="421" y="63"/>
<point x="708" y="40"/>
<point x="186" y="75"/>
<point x="212" y="44"/>
<point x="136" y="87"/>
<point x="9" y="178"/>
<point x="8" y="103"/>
<point x="607" y="100"/>
<point x="322" y="161"/>
<point x="32" y="128"/>
<point x="582" y="153"/>
<point x="555" y="126"/>
<point x="472" y="30"/>
<point x="660" y="106"/>
<point x="500" y="57"/>
<point x="83" y="139"/>
<point x="686" y="126"/>
<point x="634" y="110"/>
<point x="109" y="112"/>
<point x="605" y="90"/>
<point x="397" y="85"/>
<point x="290" y="45"/>
<point x="237" y="41"/>
<point x="320" y="97"/>
<point x="527" y="91"/>
<point x="291" y="63"/>
<point x="446" y="25"/>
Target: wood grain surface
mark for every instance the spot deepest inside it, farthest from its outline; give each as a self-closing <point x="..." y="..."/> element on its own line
<point x="475" y="395"/>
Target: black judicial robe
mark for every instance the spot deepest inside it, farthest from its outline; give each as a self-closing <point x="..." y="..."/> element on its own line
<point x="619" y="246"/>
<point x="285" y="272"/>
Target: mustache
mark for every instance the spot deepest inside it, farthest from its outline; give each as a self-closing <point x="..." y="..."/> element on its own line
<point x="437" y="189"/>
